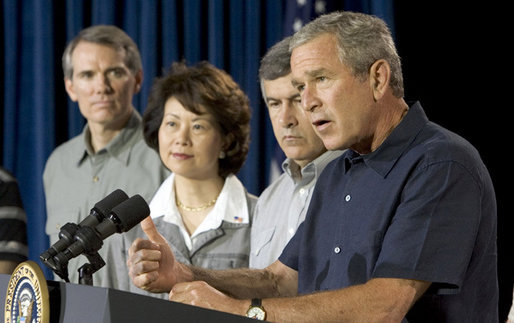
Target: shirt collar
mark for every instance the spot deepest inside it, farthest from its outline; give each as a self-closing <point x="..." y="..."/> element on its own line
<point x="313" y="169"/>
<point x="231" y="206"/>
<point x="383" y="159"/>
<point x="120" y="146"/>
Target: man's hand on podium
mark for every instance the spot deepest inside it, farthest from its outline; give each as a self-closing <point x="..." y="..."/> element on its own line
<point x="199" y="293"/>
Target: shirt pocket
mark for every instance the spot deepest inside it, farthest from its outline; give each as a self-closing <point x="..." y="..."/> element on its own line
<point x="57" y="217"/>
<point x="222" y="261"/>
<point x="261" y="239"/>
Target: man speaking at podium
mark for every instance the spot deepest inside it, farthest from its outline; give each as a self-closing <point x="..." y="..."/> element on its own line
<point x="102" y="72"/>
<point x="401" y="227"/>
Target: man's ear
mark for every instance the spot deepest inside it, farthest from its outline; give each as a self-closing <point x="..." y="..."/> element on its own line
<point x="139" y="81"/>
<point x="379" y="77"/>
<point x="68" y="85"/>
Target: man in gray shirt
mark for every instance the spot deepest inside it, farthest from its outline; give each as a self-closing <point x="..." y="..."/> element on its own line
<point x="282" y="206"/>
<point x="102" y="72"/>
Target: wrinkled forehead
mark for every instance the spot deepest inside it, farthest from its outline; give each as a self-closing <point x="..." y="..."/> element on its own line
<point x="279" y="89"/>
<point x="318" y="53"/>
<point x="86" y="51"/>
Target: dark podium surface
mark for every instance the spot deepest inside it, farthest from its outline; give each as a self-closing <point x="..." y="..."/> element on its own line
<point x="78" y="303"/>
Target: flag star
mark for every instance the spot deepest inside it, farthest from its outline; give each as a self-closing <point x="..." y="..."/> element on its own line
<point x="320" y="6"/>
<point x="301" y="3"/>
<point x="297" y="24"/>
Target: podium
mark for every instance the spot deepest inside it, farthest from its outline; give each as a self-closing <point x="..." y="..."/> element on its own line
<point x="80" y="303"/>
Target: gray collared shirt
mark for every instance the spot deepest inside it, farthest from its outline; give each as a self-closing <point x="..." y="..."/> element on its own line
<point x="75" y="179"/>
<point x="223" y="244"/>
<point x="281" y="208"/>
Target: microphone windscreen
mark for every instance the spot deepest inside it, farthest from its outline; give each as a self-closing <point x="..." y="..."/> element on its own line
<point x="105" y="206"/>
<point x="131" y="212"/>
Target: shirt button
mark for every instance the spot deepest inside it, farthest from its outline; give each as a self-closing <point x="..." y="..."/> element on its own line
<point x="302" y="191"/>
<point x="337" y="250"/>
<point x="95" y="179"/>
<point x="347" y="198"/>
<point x="291" y="231"/>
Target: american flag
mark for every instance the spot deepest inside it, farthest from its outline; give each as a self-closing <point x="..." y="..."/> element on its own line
<point x="300" y="12"/>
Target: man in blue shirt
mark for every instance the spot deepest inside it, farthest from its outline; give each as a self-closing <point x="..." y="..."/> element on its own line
<point x="402" y="227"/>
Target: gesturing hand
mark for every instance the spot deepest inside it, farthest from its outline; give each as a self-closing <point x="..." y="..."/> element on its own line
<point x="151" y="262"/>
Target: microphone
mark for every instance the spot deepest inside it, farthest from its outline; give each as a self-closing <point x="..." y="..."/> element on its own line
<point x="97" y="214"/>
<point x="101" y="209"/>
<point x="88" y="240"/>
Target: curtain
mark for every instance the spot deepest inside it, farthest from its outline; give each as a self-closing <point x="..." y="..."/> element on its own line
<point x="37" y="116"/>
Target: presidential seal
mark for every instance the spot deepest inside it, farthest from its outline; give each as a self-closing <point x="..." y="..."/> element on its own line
<point x="27" y="297"/>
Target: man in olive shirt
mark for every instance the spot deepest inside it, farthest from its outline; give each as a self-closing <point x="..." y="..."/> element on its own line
<point x="102" y="72"/>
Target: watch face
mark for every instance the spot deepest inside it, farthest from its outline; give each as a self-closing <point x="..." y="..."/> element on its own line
<point x="256" y="313"/>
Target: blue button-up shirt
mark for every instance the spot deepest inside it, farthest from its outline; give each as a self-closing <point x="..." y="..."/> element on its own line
<point x="421" y="206"/>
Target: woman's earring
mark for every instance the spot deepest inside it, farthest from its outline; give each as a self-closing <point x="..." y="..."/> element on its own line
<point x="222" y="155"/>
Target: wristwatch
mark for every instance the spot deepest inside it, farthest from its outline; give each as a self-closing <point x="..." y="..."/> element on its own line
<point x="256" y="311"/>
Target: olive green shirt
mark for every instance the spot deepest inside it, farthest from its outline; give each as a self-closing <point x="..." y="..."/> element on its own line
<point x="75" y="179"/>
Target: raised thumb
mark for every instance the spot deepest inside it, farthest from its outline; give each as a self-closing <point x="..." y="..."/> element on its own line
<point x="151" y="231"/>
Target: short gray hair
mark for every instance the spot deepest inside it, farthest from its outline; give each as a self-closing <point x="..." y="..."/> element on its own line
<point x="362" y="40"/>
<point x="107" y="35"/>
<point x="276" y="61"/>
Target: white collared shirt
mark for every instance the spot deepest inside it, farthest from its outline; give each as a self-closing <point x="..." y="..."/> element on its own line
<point x="231" y="206"/>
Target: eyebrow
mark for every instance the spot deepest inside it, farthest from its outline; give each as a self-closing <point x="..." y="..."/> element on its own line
<point x="204" y="116"/>
<point x="115" y="68"/>
<point x="311" y="74"/>
<point x="292" y="97"/>
<point x="93" y="70"/>
<point x="87" y="70"/>
<point x="316" y="72"/>
<point x="295" y="83"/>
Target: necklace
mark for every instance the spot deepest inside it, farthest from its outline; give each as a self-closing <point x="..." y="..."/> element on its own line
<point x="196" y="209"/>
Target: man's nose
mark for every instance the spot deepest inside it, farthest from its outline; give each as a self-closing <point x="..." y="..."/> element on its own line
<point x="310" y="100"/>
<point x="287" y="117"/>
<point x="103" y="84"/>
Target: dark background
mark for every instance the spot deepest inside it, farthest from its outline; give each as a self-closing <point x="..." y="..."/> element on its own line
<point x="454" y="61"/>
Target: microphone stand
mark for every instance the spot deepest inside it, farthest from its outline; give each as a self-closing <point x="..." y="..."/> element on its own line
<point x="87" y="270"/>
<point x="91" y="242"/>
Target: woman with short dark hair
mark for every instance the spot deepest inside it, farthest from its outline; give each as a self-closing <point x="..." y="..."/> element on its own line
<point x="198" y="118"/>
